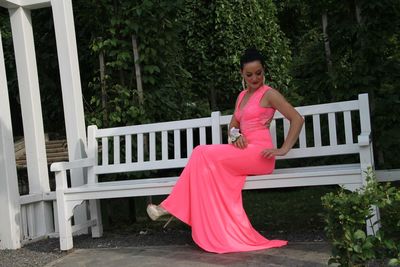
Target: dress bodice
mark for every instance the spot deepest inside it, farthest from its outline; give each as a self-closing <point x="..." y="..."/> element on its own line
<point x="253" y="117"/>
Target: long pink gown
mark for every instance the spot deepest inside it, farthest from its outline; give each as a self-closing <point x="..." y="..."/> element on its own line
<point x="208" y="193"/>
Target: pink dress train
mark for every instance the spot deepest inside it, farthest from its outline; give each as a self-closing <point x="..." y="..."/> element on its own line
<point x="208" y="194"/>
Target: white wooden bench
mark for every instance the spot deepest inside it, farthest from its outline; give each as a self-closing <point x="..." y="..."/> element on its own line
<point x="338" y="128"/>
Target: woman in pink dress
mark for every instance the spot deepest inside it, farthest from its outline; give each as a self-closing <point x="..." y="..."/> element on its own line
<point x="208" y="193"/>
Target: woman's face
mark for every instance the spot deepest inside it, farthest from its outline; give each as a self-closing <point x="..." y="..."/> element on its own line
<point x="253" y="74"/>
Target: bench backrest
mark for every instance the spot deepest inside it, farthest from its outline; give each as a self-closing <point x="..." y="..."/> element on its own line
<point x="169" y="144"/>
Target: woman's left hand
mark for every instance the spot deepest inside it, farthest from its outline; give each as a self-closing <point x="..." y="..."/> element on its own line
<point x="273" y="152"/>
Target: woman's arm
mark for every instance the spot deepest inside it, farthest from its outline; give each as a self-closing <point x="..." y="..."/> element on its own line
<point x="241" y="141"/>
<point x="276" y="100"/>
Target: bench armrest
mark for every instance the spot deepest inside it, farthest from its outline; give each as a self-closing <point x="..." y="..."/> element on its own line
<point x="364" y="139"/>
<point x="76" y="164"/>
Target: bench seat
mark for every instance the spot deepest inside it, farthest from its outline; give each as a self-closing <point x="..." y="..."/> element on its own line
<point x="343" y="174"/>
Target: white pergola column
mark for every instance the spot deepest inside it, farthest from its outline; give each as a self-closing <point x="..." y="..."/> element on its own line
<point x="71" y="90"/>
<point x="9" y="195"/>
<point x="28" y="82"/>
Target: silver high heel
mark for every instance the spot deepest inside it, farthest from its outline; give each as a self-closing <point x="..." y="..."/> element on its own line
<point x="155" y="212"/>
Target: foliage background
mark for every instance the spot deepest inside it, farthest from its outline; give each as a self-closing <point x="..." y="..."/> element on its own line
<point x="189" y="56"/>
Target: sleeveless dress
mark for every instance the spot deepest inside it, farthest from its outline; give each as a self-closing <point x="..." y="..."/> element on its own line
<point x="208" y="193"/>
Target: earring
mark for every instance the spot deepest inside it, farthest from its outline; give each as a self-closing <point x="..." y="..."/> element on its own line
<point x="243" y="84"/>
<point x="264" y="80"/>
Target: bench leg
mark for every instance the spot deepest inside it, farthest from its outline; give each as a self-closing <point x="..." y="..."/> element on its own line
<point x="95" y="214"/>
<point x="373" y="224"/>
<point x="64" y="225"/>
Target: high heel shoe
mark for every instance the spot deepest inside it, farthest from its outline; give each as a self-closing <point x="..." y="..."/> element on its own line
<point x="155" y="212"/>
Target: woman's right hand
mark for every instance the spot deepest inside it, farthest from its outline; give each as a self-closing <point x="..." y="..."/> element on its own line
<point x="240" y="142"/>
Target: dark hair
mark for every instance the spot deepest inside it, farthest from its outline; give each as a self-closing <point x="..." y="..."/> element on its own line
<point x="250" y="55"/>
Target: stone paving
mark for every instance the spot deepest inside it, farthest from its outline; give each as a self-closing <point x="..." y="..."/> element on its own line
<point x="294" y="254"/>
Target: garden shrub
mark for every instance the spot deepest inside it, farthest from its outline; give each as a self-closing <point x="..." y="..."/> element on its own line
<point x="345" y="215"/>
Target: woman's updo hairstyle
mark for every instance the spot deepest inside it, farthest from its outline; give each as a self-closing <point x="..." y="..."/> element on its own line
<point x="250" y="55"/>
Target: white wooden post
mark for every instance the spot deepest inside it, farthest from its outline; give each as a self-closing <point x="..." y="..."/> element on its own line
<point x="64" y="224"/>
<point x="367" y="156"/>
<point x="28" y="82"/>
<point x="216" y="127"/>
<point x="71" y="91"/>
<point x="94" y="205"/>
<point x="9" y="196"/>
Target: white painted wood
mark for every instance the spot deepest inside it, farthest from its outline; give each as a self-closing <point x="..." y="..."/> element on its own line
<point x="216" y="127"/>
<point x="10" y="231"/>
<point x="90" y="223"/>
<point x="202" y="131"/>
<point x="128" y="148"/>
<point x="10" y="4"/>
<point x="24" y="223"/>
<point x="332" y="129"/>
<point x="320" y="151"/>
<point x="164" y="145"/>
<point x="151" y="127"/>
<point x="365" y="120"/>
<point x="140" y="155"/>
<point x="116" y="149"/>
<point x="347" y="127"/>
<point x="272" y="130"/>
<point x="225" y="119"/>
<point x="76" y="164"/>
<point x="28" y="83"/>
<point x="286" y="126"/>
<point x="31" y="220"/>
<point x="93" y="155"/>
<point x="317" y="130"/>
<point x="189" y="141"/>
<point x="34" y="4"/>
<point x="388" y="175"/>
<point x="55" y="213"/>
<point x="302" y="136"/>
<point x="104" y="148"/>
<point x="324" y="108"/>
<point x="64" y="222"/>
<point x="177" y="144"/>
<point x="28" y="199"/>
<point x="141" y="166"/>
<point x="64" y="27"/>
<point x="29" y="4"/>
<point x="152" y="146"/>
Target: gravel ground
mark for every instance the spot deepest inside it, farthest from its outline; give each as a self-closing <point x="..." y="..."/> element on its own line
<point x="45" y="251"/>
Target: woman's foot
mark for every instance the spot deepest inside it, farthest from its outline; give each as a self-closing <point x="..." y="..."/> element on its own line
<point x="156" y="211"/>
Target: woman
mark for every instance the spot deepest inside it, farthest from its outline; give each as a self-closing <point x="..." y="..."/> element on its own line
<point x="208" y="194"/>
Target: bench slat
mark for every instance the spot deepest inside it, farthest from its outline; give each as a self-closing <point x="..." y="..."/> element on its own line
<point x="302" y="136"/>
<point x="177" y="144"/>
<point x="164" y="145"/>
<point x="140" y="157"/>
<point x="116" y="150"/>
<point x="104" y="145"/>
<point x="189" y="141"/>
<point x="128" y="148"/>
<point x="324" y="108"/>
<point x="152" y="146"/>
<point x="272" y="130"/>
<point x="286" y="126"/>
<point x="347" y="127"/>
<point x="141" y="166"/>
<point x="154" y="127"/>
<point x="202" y="135"/>
<point x="315" y="175"/>
<point x="332" y="129"/>
<point x="317" y="130"/>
